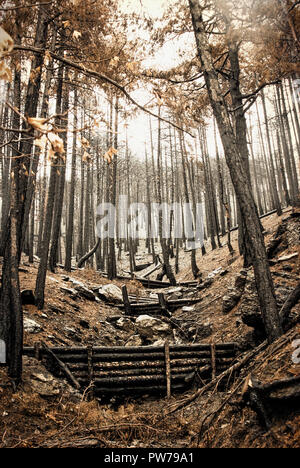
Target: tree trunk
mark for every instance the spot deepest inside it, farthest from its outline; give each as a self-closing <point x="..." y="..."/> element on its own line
<point x="70" y="228"/>
<point x="240" y="180"/>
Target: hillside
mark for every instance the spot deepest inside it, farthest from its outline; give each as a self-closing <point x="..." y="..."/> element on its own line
<point x="53" y="414"/>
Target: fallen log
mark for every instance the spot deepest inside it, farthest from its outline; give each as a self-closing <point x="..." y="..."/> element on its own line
<point x="133" y="369"/>
<point x="291" y="301"/>
<point x="142" y="267"/>
<point x="62" y="366"/>
<point x="143" y="300"/>
<point x="172" y="303"/>
<point x="261" y="396"/>
<point x="229" y="372"/>
<point x="153" y="270"/>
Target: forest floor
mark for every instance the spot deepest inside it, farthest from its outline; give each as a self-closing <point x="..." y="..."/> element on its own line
<point x="30" y="417"/>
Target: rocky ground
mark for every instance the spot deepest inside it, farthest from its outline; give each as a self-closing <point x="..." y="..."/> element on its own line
<point x="82" y="308"/>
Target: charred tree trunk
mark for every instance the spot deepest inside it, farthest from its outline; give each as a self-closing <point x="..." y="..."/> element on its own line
<point x="240" y="179"/>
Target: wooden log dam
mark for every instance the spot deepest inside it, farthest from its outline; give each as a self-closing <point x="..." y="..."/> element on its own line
<point x="135" y="371"/>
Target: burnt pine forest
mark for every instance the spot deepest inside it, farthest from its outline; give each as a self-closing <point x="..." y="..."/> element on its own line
<point x="149" y="223"/>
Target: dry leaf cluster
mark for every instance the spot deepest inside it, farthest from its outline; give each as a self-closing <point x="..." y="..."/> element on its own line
<point x="6" y="46"/>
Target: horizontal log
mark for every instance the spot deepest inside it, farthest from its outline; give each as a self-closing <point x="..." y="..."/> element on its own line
<point x="138" y="306"/>
<point x="148" y="364"/>
<point x="136" y="299"/>
<point x="118" y="358"/>
<point x="147" y="371"/>
<point x="138" y="390"/>
<point x="203" y="371"/>
<point x="98" y="374"/>
<point x="135" y="380"/>
<point x="30" y="351"/>
<point x="153" y="284"/>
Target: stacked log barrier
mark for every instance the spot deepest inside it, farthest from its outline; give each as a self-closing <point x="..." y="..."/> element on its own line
<point x="154" y="284"/>
<point x="139" y="370"/>
<point x="134" y="306"/>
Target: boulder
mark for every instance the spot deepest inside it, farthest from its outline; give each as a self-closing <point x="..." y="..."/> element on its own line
<point x="39" y="380"/>
<point x="216" y="272"/>
<point x="152" y="329"/>
<point x="72" y="292"/>
<point x="111" y="293"/>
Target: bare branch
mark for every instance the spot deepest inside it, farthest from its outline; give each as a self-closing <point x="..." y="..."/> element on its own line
<point x="294" y="6"/>
<point x="101" y="77"/>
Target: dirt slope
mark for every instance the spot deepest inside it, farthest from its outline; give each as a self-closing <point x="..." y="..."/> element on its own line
<point x="46" y="412"/>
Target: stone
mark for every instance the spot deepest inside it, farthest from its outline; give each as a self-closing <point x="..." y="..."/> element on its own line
<point x="151" y="328"/>
<point x="113" y="319"/>
<point x="125" y="324"/>
<point x="134" y="340"/>
<point x="111" y="293"/>
<point x="30" y="326"/>
<point x="215" y="273"/>
<point x="70" y="291"/>
<point x="84" y="324"/>
<point x="230" y="301"/>
<point x="43" y="383"/>
<point x="174" y="293"/>
<point x="45" y="386"/>
<point x="159" y="343"/>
